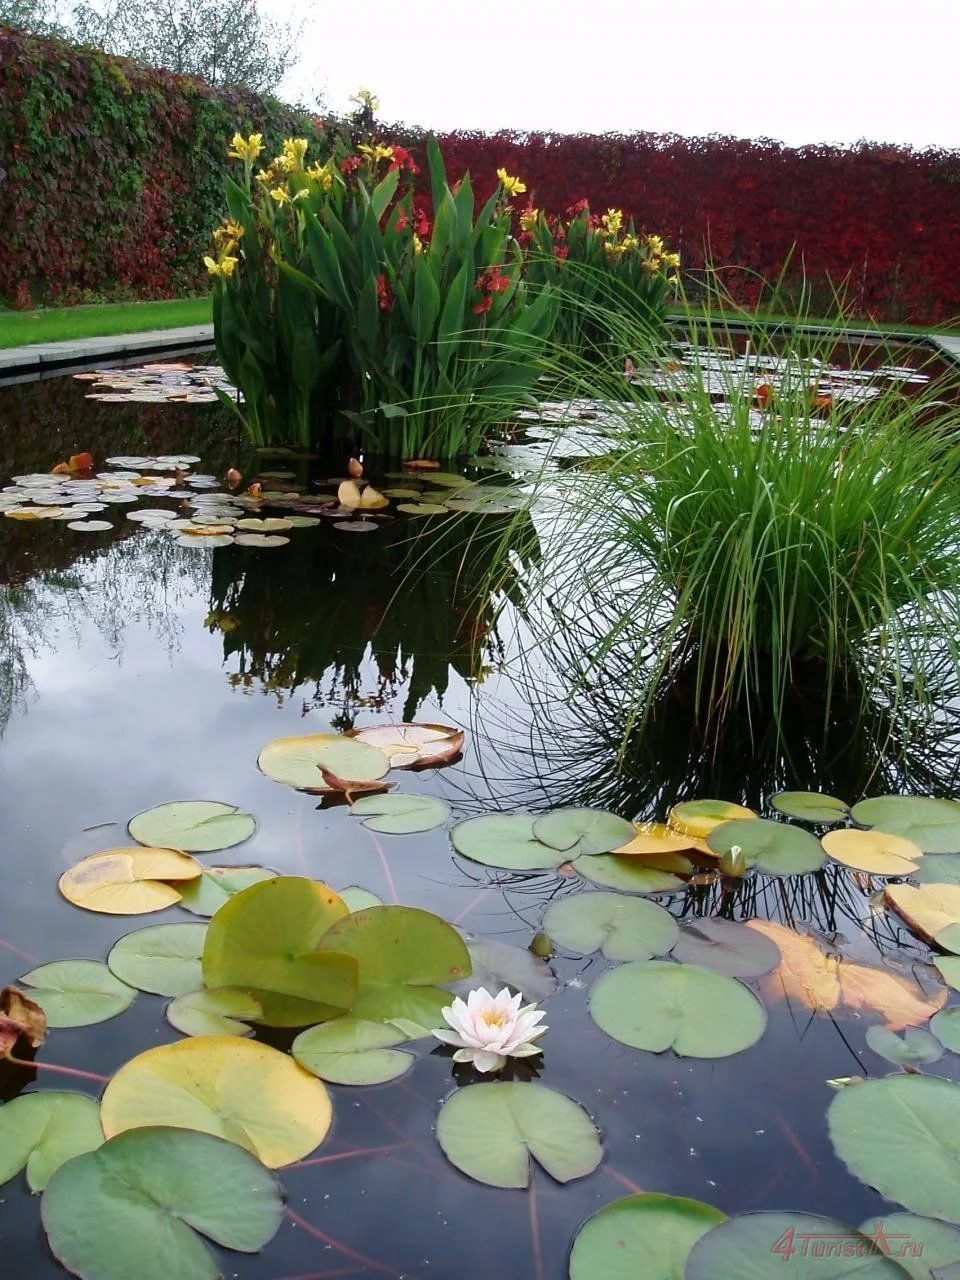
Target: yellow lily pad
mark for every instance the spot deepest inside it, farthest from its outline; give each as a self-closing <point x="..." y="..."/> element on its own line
<point x="932" y="911"/>
<point x="655" y="838"/>
<point x="872" y="851"/>
<point x="699" y="817"/>
<point x="128" y="881"/>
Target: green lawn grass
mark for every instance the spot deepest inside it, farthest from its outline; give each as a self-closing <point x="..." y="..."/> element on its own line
<point x="18" y="328"/>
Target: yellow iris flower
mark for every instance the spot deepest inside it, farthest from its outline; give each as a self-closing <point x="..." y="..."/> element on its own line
<point x="376" y="153"/>
<point x="245" y="149"/>
<point x="655" y="244"/>
<point x="512" y="186"/>
<point x="322" y="174"/>
<point x="612" y="221"/>
<point x="294" y="151"/>
<point x="528" y="219"/>
<point x="225" y="267"/>
<point x="672" y="259"/>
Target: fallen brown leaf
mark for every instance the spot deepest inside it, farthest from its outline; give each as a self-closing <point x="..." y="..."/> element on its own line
<point x="20" y="1018"/>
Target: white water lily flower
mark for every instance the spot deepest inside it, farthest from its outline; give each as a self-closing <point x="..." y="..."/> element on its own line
<point x="487" y="1030"/>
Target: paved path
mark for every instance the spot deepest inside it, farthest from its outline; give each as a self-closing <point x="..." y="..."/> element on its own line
<point x="50" y="355"/>
<point x="948" y="343"/>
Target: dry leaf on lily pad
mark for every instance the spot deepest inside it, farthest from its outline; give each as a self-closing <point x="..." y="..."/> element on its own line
<point x="236" y="1089"/>
<point x="128" y="881"/>
<point x="655" y="838"/>
<point x="297" y="761"/>
<point x="20" y="1018"/>
<point x="350" y="787"/>
<point x="830" y="983"/>
<point x="932" y="911"/>
<point x="409" y="746"/>
<point x="873" y="852"/>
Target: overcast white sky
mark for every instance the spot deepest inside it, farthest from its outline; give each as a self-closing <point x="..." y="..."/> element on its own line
<point x="797" y="70"/>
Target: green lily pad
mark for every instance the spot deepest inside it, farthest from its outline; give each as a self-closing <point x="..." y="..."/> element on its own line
<point x="162" y="958"/>
<point x="215" y="885"/>
<point x="901" y="1135"/>
<point x="192" y="826"/>
<point x="134" y="1206"/>
<point x="939" y="1244"/>
<point x="297" y="761"/>
<point x="627" y="875"/>
<point x="505" y="840"/>
<point x="398" y="815"/>
<point x="647" y="1235"/>
<point x="755" y="1246"/>
<point x="622" y="928"/>
<point x="77" y="993"/>
<point x="772" y="847"/>
<point x="945" y="1025"/>
<point x="811" y="806"/>
<point x="949" y="969"/>
<point x="939" y="868"/>
<point x="266" y="939"/>
<point x="353" y="1051"/>
<point x="915" y="1047"/>
<point x="490" y="1131"/>
<point x="42" y="1131"/>
<point x="403" y="955"/>
<point x="582" y="832"/>
<point x="218" y="1012"/>
<point x="498" y="964"/>
<point x="357" y="899"/>
<point x="657" y="1005"/>
<point x="933" y="824"/>
<point x="727" y="947"/>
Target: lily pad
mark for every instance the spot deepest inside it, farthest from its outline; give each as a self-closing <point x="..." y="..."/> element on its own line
<point x="915" y="1047"/>
<point x="699" y="817"/>
<point x="220" y="1012"/>
<point x="726" y="947"/>
<point x="937" y="1245"/>
<point x="236" y="1089"/>
<point x="811" y="806"/>
<point x="933" y="824"/>
<point x="498" y="964"/>
<point x="651" y="839"/>
<point x="193" y="826"/>
<point x="399" y="815"/>
<point x="403" y="956"/>
<point x="939" y="868"/>
<point x="216" y="885"/>
<point x="774" y="848"/>
<point x="755" y="1246"/>
<point x="873" y="852"/>
<point x="133" y="1207"/>
<point x="78" y="993"/>
<point x="128" y="882"/>
<point x="901" y="1136"/>
<point x="949" y="970"/>
<point x="262" y="540"/>
<point x="932" y="911"/>
<point x="490" y="1131"/>
<point x="41" y="1131"/>
<point x="582" y="832"/>
<point x="627" y="875"/>
<point x="658" y="1005"/>
<point x="646" y="1235"/>
<point x="163" y="958"/>
<point x="505" y="840"/>
<point x="357" y="899"/>
<point x="353" y="1051"/>
<point x="413" y="745"/>
<point x="265" y="941"/>
<point x="297" y="761"/>
<point x="622" y="928"/>
<point x="945" y="1025"/>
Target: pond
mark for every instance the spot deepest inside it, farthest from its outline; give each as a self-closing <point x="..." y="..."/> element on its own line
<point x="136" y="671"/>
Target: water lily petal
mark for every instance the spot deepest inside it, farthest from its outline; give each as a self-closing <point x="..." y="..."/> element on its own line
<point x="483" y="1060"/>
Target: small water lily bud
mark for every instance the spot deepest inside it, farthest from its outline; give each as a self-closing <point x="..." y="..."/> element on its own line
<point x="734" y="862"/>
<point x="233" y="478"/>
<point x="541" y="946"/>
<point x="255" y="489"/>
<point x="355" y="468"/>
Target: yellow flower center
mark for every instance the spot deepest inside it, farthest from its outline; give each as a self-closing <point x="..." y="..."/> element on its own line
<point x="493" y="1018"/>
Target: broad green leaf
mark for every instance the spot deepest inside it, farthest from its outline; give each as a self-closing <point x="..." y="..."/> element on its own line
<point x="622" y="928"/>
<point x="933" y="824"/>
<point x="401" y="815"/>
<point x="77" y="993"/>
<point x="206" y="895"/>
<point x="490" y="1131"/>
<point x="133" y="1207"/>
<point x="937" y="1245"/>
<point x="403" y="955"/>
<point x="43" y="1130"/>
<point x="236" y="1089"/>
<point x="658" y="1005"/>
<point x="297" y="761"/>
<point x="727" y="947"/>
<point x="756" y="1246"/>
<point x="162" y="958"/>
<point x="647" y="1235"/>
<point x="901" y="1136"/>
<point x="627" y="875"/>
<point x="498" y="964"/>
<point x="265" y="940"/>
<point x="357" y="899"/>
<point x="810" y="806"/>
<point x="193" y="826"/>
<point x="945" y="1025"/>
<point x="939" y="868"/>
<point x="353" y="1051"/>
<point x="774" y="848"/>
<point x="581" y="832"/>
<point x="949" y="969"/>
<point x="216" y="1012"/>
<point x="913" y="1048"/>
<point x="505" y="840"/>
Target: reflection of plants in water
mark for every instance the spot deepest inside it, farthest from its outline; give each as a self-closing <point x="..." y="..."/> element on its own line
<point x="415" y="604"/>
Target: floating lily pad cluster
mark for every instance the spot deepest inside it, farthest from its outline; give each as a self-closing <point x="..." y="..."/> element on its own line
<point x="168" y="382"/>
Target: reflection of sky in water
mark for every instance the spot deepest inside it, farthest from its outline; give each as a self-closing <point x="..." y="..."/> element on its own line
<point x="130" y="704"/>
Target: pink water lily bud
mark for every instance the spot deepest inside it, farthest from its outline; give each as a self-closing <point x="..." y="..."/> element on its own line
<point x="487" y="1030"/>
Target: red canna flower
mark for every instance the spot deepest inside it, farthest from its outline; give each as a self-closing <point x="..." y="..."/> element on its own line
<point x="421" y="223"/>
<point x="561" y="252"/>
<point x="402" y="159"/>
<point x="576" y="209"/>
<point x="351" y="164"/>
<point x="402" y="221"/>
<point x="384" y="296"/>
<point x="483" y="305"/>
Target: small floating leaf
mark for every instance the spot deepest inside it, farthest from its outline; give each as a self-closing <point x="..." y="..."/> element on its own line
<point x="357" y="899"/>
<point x="772" y="847"/>
<point x="699" y="817"/>
<point x="939" y="868"/>
<point x="505" y="840"/>
<point x="915" y="1047"/>
<point x="873" y="852"/>
<point x="219" y="1012"/>
<point x="490" y="1131"/>
<point x="647" y="1235"/>
<point x="582" y="832"/>
<point x="193" y="826"/>
<point x="42" y="1131"/>
<point x="933" y="824"/>
<point x="658" y="1005"/>
<point x="216" y="885"/>
<point x="128" y="882"/>
<point x="622" y="928"/>
<point x="401" y="814"/>
<point x="78" y="993"/>
<point x="945" y="1025"/>
<point x="163" y="959"/>
<point x="353" y="1051"/>
<point x="498" y="964"/>
<point x="727" y="947"/>
<point x="297" y="761"/>
<point x="627" y="875"/>
<point x="810" y="806"/>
